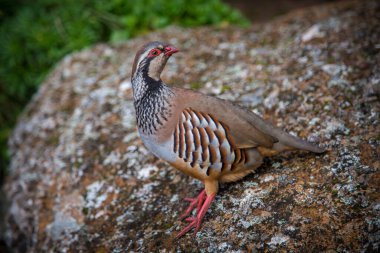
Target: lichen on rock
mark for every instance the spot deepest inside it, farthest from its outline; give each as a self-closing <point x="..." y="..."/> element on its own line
<point x="81" y="180"/>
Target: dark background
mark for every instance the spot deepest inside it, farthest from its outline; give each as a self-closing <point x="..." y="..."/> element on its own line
<point x="261" y="10"/>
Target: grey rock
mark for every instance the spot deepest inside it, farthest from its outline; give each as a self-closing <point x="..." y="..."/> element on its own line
<point x="80" y="179"/>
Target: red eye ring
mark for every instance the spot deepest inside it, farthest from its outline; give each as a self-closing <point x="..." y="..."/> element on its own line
<point x="154" y="52"/>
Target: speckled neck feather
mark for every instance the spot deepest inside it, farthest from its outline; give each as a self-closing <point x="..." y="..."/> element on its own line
<point x="152" y="102"/>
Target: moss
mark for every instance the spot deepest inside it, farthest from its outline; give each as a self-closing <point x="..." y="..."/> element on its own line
<point x="53" y="140"/>
<point x="85" y="210"/>
<point x="77" y="164"/>
<point x="196" y="86"/>
<point x="225" y="88"/>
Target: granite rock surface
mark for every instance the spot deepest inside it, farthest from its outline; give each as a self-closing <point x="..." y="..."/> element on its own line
<point x="81" y="180"/>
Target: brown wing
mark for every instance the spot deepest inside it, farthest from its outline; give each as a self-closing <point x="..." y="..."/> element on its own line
<point x="244" y="132"/>
<point x="247" y="128"/>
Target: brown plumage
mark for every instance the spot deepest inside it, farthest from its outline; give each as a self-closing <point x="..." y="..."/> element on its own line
<point x="207" y="138"/>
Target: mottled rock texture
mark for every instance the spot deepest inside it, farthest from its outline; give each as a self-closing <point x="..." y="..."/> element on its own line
<point x="81" y="180"/>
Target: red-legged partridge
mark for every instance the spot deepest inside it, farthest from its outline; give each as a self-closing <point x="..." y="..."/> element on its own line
<point x="205" y="137"/>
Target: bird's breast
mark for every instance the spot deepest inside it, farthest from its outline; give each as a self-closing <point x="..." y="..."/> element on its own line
<point x="161" y="149"/>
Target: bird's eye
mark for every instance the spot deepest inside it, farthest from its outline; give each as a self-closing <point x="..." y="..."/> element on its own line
<point x="154" y="52"/>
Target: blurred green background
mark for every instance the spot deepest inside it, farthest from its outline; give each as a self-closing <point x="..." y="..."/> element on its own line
<point x="34" y="35"/>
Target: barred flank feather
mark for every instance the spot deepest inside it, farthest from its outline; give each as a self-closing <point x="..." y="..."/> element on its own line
<point x="200" y="139"/>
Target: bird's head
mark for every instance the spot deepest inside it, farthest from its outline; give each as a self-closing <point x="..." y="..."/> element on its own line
<point x="151" y="59"/>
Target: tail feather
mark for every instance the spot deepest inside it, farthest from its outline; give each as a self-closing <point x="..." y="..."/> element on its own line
<point x="287" y="141"/>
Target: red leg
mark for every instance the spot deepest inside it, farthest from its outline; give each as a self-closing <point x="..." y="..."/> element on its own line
<point x="198" y="201"/>
<point x="195" y="222"/>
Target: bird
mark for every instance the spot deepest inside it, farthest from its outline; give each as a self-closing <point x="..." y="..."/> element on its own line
<point x="205" y="137"/>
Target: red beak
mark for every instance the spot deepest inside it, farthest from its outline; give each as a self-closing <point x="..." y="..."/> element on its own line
<point x="169" y="50"/>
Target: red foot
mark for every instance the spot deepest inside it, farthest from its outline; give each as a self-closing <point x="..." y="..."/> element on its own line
<point x="194" y="202"/>
<point x="203" y="203"/>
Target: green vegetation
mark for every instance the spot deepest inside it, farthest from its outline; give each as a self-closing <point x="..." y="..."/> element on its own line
<point x="37" y="34"/>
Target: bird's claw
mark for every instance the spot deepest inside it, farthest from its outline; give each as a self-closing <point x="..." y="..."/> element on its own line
<point x="203" y="203"/>
<point x="194" y="223"/>
<point x="190" y="219"/>
<point x="194" y="202"/>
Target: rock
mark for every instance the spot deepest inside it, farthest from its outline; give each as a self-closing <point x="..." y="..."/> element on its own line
<point x="332" y="69"/>
<point x="80" y="179"/>
<point x="312" y="33"/>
